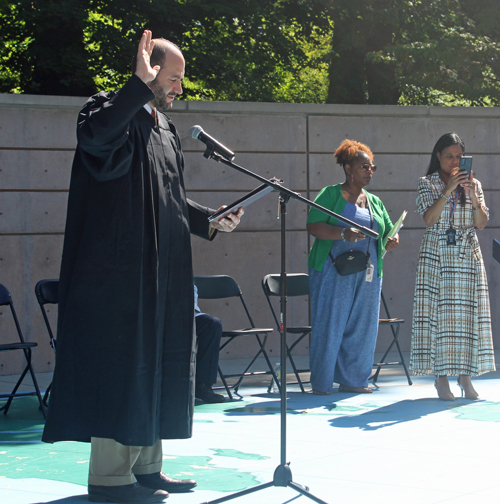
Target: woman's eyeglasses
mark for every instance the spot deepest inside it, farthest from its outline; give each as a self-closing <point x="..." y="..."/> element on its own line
<point x="367" y="166"/>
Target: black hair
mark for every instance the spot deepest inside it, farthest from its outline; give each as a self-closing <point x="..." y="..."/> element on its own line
<point x="445" y="141"/>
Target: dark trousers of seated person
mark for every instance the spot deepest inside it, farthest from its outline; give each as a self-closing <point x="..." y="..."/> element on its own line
<point x="208" y="334"/>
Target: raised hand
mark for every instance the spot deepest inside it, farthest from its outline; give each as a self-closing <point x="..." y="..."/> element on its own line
<point x="470" y="185"/>
<point x="143" y="68"/>
<point x="457" y="177"/>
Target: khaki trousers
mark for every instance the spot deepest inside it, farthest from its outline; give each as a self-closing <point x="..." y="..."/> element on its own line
<point x="114" y="464"/>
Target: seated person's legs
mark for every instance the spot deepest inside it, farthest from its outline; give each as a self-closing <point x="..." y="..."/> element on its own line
<point x="208" y="334"/>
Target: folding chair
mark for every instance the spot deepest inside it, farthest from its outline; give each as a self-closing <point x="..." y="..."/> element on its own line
<point x="297" y="284"/>
<point x="47" y="292"/>
<point x="395" y="324"/>
<point x="222" y="287"/>
<point x="6" y="300"/>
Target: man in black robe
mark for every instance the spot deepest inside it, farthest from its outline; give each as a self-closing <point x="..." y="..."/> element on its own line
<point x="124" y="377"/>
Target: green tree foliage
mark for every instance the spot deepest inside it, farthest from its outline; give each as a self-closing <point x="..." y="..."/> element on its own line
<point x="361" y="30"/>
<point x="44" y="50"/>
<point x="246" y="50"/>
<point x="457" y="61"/>
<point x="339" y="51"/>
<point x="242" y="50"/>
<point x="415" y="52"/>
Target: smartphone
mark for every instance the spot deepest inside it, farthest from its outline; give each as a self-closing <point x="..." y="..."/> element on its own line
<point x="466" y="165"/>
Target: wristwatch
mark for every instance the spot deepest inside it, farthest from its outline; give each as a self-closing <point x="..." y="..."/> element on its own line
<point x="342" y="234"/>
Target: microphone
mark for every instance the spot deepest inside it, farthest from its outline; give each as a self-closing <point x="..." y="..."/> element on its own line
<point x="212" y="144"/>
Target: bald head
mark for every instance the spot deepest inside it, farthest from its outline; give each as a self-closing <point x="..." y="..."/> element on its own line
<point x="161" y="49"/>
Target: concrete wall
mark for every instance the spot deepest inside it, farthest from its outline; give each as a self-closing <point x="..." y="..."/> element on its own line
<point x="292" y="142"/>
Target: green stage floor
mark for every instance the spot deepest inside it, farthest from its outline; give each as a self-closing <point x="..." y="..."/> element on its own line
<point x="399" y="444"/>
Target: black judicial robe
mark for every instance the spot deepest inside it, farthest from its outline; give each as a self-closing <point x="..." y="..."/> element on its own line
<point x="125" y="347"/>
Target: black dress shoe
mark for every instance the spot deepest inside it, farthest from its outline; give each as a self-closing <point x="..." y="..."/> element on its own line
<point x="204" y="392"/>
<point x="133" y="493"/>
<point x="163" y="482"/>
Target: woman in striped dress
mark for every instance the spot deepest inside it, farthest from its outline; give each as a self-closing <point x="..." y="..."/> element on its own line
<point x="451" y="330"/>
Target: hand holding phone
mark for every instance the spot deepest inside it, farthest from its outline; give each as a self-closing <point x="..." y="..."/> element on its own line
<point x="466" y="165"/>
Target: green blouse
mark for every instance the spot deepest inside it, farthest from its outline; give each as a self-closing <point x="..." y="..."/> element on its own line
<point x="331" y="198"/>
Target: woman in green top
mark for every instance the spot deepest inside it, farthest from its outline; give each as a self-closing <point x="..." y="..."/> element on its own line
<point x="345" y="309"/>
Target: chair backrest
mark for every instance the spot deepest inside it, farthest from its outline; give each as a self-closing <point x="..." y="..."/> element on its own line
<point x="47" y="292"/>
<point x="5" y="297"/>
<point x="297" y="284"/>
<point x="6" y="300"/>
<point x="220" y="287"/>
<point x="216" y="287"/>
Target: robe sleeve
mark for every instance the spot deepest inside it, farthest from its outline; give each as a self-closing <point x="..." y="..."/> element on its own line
<point x="103" y="129"/>
<point x="198" y="220"/>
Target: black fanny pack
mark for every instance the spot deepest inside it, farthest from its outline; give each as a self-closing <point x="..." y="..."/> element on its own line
<point x="351" y="262"/>
<point x="354" y="261"/>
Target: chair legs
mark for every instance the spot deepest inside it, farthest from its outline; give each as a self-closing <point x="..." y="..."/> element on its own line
<point x="224" y="382"/>
<point x="292" y="362"/>
<point x="395" y="334"/>
<point x="262" y="350"/>
<point x="14" y="393"/>
<point x="241" y="376"/>
<point x="45" y="399"/>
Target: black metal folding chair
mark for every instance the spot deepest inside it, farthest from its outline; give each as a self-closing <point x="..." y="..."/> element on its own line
<point x="395" y="324"/>
<point x="297" y="284"/>
<point x="47" y="292"/>
<point x="6" y="300"/>
<point x="221" y="287"/>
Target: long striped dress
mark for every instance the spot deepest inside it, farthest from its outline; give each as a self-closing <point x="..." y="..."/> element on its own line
<point x="451" y="328"/>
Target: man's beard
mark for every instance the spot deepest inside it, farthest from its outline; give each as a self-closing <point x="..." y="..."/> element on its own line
<point x="160" y="100"/>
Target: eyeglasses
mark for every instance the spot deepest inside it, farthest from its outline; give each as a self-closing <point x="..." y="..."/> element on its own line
<point x="366" y="167"/>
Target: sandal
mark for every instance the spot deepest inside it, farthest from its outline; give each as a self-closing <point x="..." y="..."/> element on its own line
<point x="355" y="390"/>
<point x="317" y="392"/>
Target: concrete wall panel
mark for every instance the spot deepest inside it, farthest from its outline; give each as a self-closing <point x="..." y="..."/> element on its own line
<point x="395" y="171"/>
<point x="245" y="133"/>
<point x="33" y="212"/>
<point x="35" y="170"/>
<point x="37" y="128"/>
<point x="206" y="174"/>
<point x="401" y="134"/>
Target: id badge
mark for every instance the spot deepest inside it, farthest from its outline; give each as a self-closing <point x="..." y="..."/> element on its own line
<point x="369" y="272"/>
<point x="451" y="236"/>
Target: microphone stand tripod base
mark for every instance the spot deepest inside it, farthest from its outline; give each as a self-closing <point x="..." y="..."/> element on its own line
<point x="282" y="478"/>
<point x="282" y="475"/>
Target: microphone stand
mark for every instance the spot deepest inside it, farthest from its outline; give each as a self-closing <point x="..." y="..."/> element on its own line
<point x="282" y="474"/>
